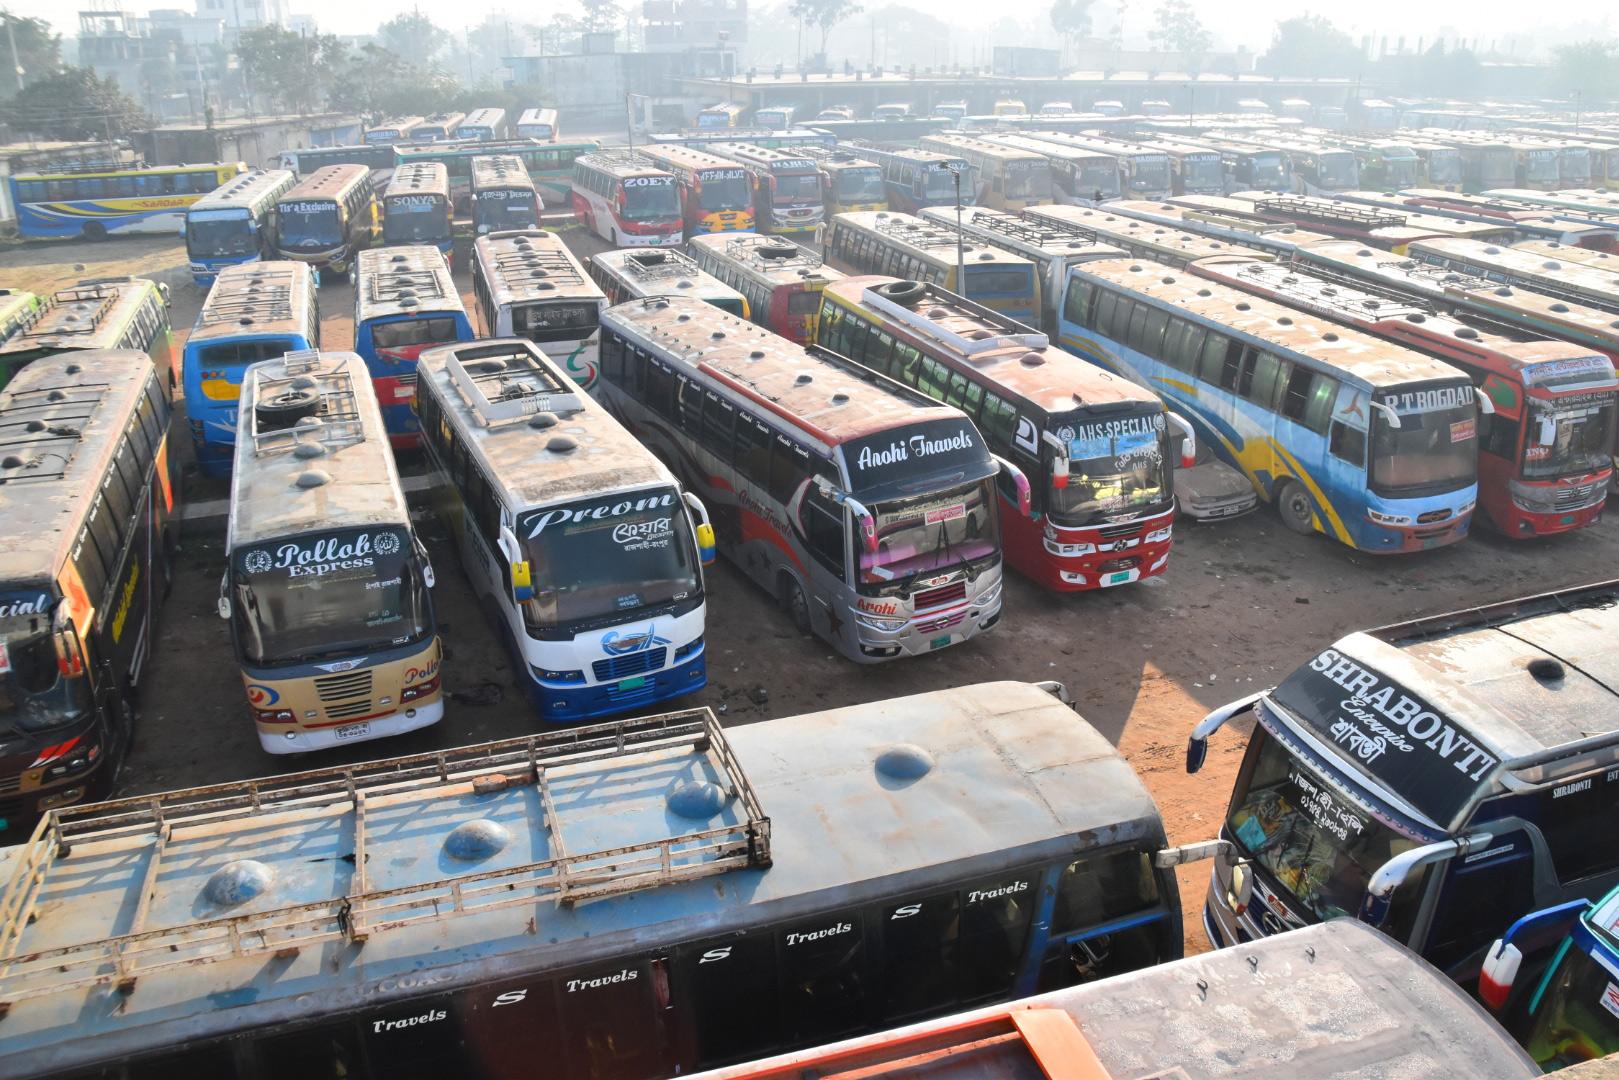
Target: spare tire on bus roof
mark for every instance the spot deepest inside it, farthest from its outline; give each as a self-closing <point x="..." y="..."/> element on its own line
<point x="904" y="293"/>
<point x="285" y="408"/>
<point x="776" y="251"/>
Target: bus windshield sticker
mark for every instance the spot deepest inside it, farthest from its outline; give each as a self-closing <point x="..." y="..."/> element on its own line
<point x="539" y="520"/>
<point x="1351" y="408"/>
<point x="1325" y="809"/>
<point x="1390" y="732"/>
<point x="19" y="605"/>
<point x="315" y="557"/>
<point x="1462" y="430"/>
<point x="1406" y="402"/>
<point x="888" y="456"/>
<point x="1610" y="998"/>
<point x="952" y="512"/>
<point x="640" y="535"/>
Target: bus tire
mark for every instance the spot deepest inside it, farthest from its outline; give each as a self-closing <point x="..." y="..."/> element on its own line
<point x="94" y="230"/>
<point x="286" y="408"/>
<point x="795" y="604"/>
<point x="1294" y="508"/>
<point x="903" y="293"/>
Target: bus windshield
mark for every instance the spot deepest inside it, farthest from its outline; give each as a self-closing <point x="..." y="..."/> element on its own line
<point x="1114" y="467"/>
<point x="1444" y="168"/>
<point x="413" y="220"/>
<point x="1204" y="173"/>
<point x="1337" y="170"/>
<point x="1317" y="846"/>
<point x="941" y="182"/>
<point x="310" y="224"/>
<point x="348" y="591"/>
<point x="1432" y="451"/>
<point x="1576" y="1019"/>
<point x="1100" y="176"/>
<point x="607" y="558"/>
<point x="1152" y="175"/>
<point x="213" y="234"/>
<point x="726" y="190"/>
<point x="1028" y="180"/>
<point x="33" y="694"/>
<point x="1267" y="170"/>
<point x="516" y="209"/>
<point x="649" y="197"/>
<point x="1583" y="439"/>
<point x="793" y="188"/>
<point x="932" y="532"/>
<point x="1541" y="166"/>
<point x="860" y="185"/>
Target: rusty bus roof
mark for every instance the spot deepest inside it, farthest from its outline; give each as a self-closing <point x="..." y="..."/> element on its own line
<point x="660" y="272"/>
<point x="249" y="191"/>
<point x="1598" y="284"/>
<point x="927" y="239"/>
<point x="500" y="171"/>
<point x="1348" y="352"/>
<point x="528" y="265"/>
<point x="983" y="147"/>
<point x="1163" y="241"/>
<point x="580" y="450"/>
<point x="1037" y="241"/>
<point x="407" y="280"/>
<point x="1552" y="249"/>
<point x="331" y="182"/>
<point x="90" y="315"/>
<point x="774" y="260"/>
<point x="1000" y="350"/>
<point x="331" y="470"/>
<point x="1218" y="217"/>
<point x="418" y="178"/>
<point x="675" y="156"/>
<point x="1403" y="223"/>
<point x="828" y="400"/>
<point x="84" y="400"/>
<point x="775" y="160"/>
<point x="1478" y="207"/>
<point x="620" y="164"/>
<point x="836" y="159"/>
<point x="1013" y="778"/>
<point x="885" y="155"/>
<point x="267" y="297"/>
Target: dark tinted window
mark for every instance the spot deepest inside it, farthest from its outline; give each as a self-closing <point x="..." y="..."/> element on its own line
<point x="205" y="1061"/>
<point x="920" y="953"/>
<point x="1571" y="815"/>
<point x="1348" y="443"/>
<point x="753" y="449"/>
<point x="822" y="978"/>
<point x="505" y="1027"/>
<point x="418" y="1040"/>
<point x="995" y="918"/>
<point x="322" y="1053"/>
<point x="789" y="466"/>
<point x="732" y="988"/>
<point x="610" y="1022"/>
<point x="1101" y="888"/>
<point x="823" y="526"/>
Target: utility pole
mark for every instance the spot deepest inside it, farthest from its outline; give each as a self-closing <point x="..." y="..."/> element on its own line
<point x="961" y="253"/>
<point x="16" y="61"/>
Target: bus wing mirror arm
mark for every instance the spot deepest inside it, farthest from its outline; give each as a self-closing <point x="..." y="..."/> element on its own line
<point x="704" y="531"/>
<point x="1025" y="498"/>
<point x="1189" y="446"/>
<point x="429" y="578"/>
<point x="1197" y="747"/>
<point x="1392" y="874"/>
<point x="224" y="595"/>
<point x="1485" y="405"/>
<point x="1169" y="858"/>
<point x="1389" y="414"/>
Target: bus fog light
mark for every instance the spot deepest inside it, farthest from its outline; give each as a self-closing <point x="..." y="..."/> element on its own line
<point x="410" y="714"/>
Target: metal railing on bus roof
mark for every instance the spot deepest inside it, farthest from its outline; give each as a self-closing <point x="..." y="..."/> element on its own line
<point x="1330" y="211"/>
<point x="336" y="422"/>
<point x="322" y="799"/>
<point x="506" y="382"/>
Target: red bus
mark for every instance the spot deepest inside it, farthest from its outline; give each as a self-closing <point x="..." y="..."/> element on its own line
<point x="1544" y="453"/>
<point x="1384" y="226"/>
<point x="626" y="200"/>
<point x="781" y="280"/>
<point x="714" y="193"/>
<point x="1096" y="447"/>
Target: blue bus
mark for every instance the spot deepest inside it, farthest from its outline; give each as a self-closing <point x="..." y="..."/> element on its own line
<point x="255" y="311"/>
<point x="404" y="303"/>
<point x="483" y="125"/>
<point x="95" y="202"/>
<point x="231" y="224"/>
<point x="1364" y="440"/>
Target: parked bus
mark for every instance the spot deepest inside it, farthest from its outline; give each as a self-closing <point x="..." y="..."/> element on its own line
<point x="99" y="313"/>
<point x="503" y="195"/>
<point x="1437" y="779"/>
<point x="483" y="125"/>
<point x="397" y="129"/>
<point x="1010" y="107"/>
<point x="892" y="110"/>
<point x="1394" y="229"/>
<point x="1319" y="165"/>
<point x="328" y="219"/>
<point x="231" y="224"/>
<point x="379" y="158"/>
<point x="540" y="124"/>
<point x="1218" y="218"/>
<point x="1544" y="462"/>
<point x="726" y="114"/>
<point x="1574" y="204"/>
<point x="416" y="208"/>
<point x="1569" y="280"/>
<point x="327" y="590"/>
<point x="1051" y="247"/>
<point x="1251" y="165"/>
<point x="915" y="179"/>
<point x="1440" y="166"/>
<point x="1550" y="977"/>
<point x="254" y="312"/>
<point x="582" y="545"/>
<point x="669" y="935"/>
<point x="1006" y="177"/>
<point x="1295" y="404"/>
<point x="17" y="310"/>
<point x="1144" y="239"/>
<point x="715" y="195"/>
<point x="1409" y="1020"/>
<point x="774" y="117"/>
<point x="630" y="275"/>
<point x="1193" y="169"/>
<point x="529" y="285"/>
<point x="921" y="250"/>
<point x="848" y="182"/>
<point x="437" y="128"/>
<point x="1097" y="506"/>
<point x="1076" y="175"/>
<point x="781" y="281"/>
<point x="786" y="186"/>
<point x="865" y="508"/>
<point x="90" y="524"/>
<point x="1519" y="221"/>
<point x="1144" y="172"/>
<point x="1536" y="165"/>
<point x="96" y="202"/>
<point x="626" y="200"/>
<point x="550" y="165"/>
<point x="1485" y="164"/>
<point x="404" y="304"/>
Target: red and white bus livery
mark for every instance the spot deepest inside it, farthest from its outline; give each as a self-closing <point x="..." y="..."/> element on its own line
<point x="626" y="200"/>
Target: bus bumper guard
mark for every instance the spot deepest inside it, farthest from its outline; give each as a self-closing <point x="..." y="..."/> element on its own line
<point x="559" y="704"/>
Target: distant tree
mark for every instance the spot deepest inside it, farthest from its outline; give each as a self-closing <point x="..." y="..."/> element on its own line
<point x="1071" y="19"/>
<point x="39" y="51"/>
<point x="824" y="14"/>
<point x="378" y="82"/>
<point x="412" y="36"/>
<point x="602" y="15"/>
<point x="1588" y="68"/>
<point x="296" y="71"/>
<point x="75" y="104"/>
<point x="1310" y="45"/>
<point x="1178" y="29"/>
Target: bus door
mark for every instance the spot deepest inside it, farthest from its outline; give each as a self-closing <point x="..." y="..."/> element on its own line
<point x="1108" y="913"/>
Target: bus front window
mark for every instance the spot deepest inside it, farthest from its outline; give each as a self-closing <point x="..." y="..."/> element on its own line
<point x="1541" y="167"/>
<point x="723" y="191"/>
<point x="34" y="695"/>
<point x="795" y="189"/>
<point x="649" y="198"/>
<point x="1101" y="177"/>
<point x="1317" y="846"/>
<point x="1204" y="175"/>
<point x="310" y="225"/>
<point x="1402" y="172"/>
<point x="349" y="591"/>
<point x="1151" y="175"/>
<point x="1582" y="439"/>
<point x="1575" y="1020"/>
<point x="933" y="532"/>
<point x="860" y="186"/>
<point x="1267" y="171"/>
<point x="1431" y="452"/>
<point x="1113" y="469"/>
<point x="220" y="234"/>
<point x="1028" y="180"/>
<point x="941" y="183"/>
<point x="415" y="220"/>
<point x="604" y="561"/>
<point x="1338" y="170"/>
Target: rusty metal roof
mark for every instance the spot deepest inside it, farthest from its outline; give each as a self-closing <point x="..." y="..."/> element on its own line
<point x="267" y="297"/>
<point x="89" y="315"/>
<point x="408" y="280"/>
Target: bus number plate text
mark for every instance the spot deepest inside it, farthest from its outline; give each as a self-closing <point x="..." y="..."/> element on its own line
<point x="353" y="731"/>
<point x="1120" y="577"/>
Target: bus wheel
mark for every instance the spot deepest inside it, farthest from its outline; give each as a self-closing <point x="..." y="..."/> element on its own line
<point x="792" y="599"/>
<point x="94" y="230"/>
<point x="1293" y="507"/>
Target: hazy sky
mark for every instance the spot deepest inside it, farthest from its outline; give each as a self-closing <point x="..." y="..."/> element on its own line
<point x="1248" y="22"/>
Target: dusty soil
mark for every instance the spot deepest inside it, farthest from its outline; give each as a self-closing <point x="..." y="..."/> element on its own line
<point x="1243" y="603"/>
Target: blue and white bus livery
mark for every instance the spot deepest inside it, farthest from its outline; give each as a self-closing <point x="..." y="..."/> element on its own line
<point x="231" y="224"/>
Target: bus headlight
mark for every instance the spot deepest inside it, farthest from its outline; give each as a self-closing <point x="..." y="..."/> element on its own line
<point x="274" y="716"/>
<point x="689" y="648"/>
<point x="1068" y="551"/>
<point x="420" y="690"/>
<point x="878" y="622"/>
<point x="575" y="677"/>
<point x="1388" y="519"/>
<point x="1161" y="536"/>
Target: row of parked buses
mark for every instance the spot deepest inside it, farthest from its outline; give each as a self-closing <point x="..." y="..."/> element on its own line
<point x="486" y="124"/>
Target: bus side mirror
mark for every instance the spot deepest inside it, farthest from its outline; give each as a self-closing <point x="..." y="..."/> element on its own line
<point x="1241" y="890"/>
<point x="1025" y="498"/>
<point x="704" y="530"/>
<point x="69" y="654"/>
<point x="1197" y="752"/>
<point x="522" y="576"/>
<point x="224" y="596"/>
<point x="1485" y="405"/>
<point x="1059" y="473"/>
<point x="1495" y="978"/>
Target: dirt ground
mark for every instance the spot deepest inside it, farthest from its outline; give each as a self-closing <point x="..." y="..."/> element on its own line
<point x="1243" y="603"/>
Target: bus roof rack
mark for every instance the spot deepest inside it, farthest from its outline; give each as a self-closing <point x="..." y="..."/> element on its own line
<point x="504" y="381"/>
<point x="1046" y="231"/>
<point x="1003" y="337"/>
<point x="336" y="421"/>
<point x="44" y="429"/>
<point x="250" y="816"/>
<point x="772" y="253"/>
<point x="1330" y="211"/>
<point x="268" y="291"/>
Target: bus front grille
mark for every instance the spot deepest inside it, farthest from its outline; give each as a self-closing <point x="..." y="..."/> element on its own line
<point x="1119" y="532"/>
<point x="1571" y="497"/>
<point x="350" y="709"/>
<point x="945" y="594"/>
<point x="350" y="684"/>
<point x="1432" y="516"/>
<point x="8" y="784"/>
<point x="622" y="667"/>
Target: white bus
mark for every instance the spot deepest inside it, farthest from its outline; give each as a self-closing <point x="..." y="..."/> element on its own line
<point x="527" y="284"/>
<point x="583" y="542"/>
<point x="626" y="274"/>
<point x="867" y="509"/>
<point x="540" y="124"/>
<point x="483" y="125"/>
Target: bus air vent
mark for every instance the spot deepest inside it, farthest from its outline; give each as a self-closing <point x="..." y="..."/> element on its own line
<point x="904" y="761"/>
<point x="304" y="449"/>
<point x="476" y="839"/>
<point x="313" y="478"/>
<point x="542" y="420"/>
<point x="561" y="444"/>
<point x="237" y="882"/>
<point x="1546" y="671"/>
<point x="697" y="799"/>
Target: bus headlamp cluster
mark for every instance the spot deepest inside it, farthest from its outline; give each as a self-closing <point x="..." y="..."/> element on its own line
<point x="574" y="677"/>
<point x="878" y="622"/>
<point x="1068" y="550"/>
<point x="1380" y="518"/>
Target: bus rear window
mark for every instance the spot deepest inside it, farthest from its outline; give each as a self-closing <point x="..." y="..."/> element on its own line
<point x="229" y="354"/>
<point x="544" y="318"/>
<point x="803" y="302"/>
<point x="396" y="335"/>
<point x="981" y="281"/>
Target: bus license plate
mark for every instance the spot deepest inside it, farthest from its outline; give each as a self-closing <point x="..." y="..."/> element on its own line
<point x="353" y="731"/>
<point x="939" y="642"/>
<point x="1120" y="577"/>
<point x="633" y="684"/>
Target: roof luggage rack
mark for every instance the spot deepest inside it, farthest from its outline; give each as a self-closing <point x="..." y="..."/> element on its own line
<point x="334" y="424"/>
<point x="1330" y="212"/>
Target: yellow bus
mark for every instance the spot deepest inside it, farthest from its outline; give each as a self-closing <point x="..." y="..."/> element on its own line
<point x="848" y="182"/>
<point x="327" y="589"/>
<point x="903" y="246"/>
<point x="714" y="192"/>
<point x="1005" y="177"/>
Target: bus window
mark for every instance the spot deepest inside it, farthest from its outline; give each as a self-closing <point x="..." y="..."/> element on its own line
<point x="610" y="1022"/>
<point x="1095" y="890"/>
<point x="324" y="1053"/>
<point x="920" y="954"/>
<point x="732" y="986"/>
<point x="823" y="977"/>
<point x="995" y="923"/>
<point x="418" y="1040"/>
<point x="499" y="1035"/>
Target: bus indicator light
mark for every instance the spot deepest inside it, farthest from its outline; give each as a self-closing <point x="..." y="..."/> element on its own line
<point x="522" y="581"/>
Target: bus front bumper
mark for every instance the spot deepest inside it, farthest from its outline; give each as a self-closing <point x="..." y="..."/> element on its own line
<point x="929" y="631"/>
<point x="397" y="723"/>
<point x="565" y="703"/>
